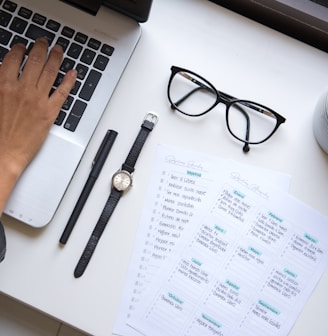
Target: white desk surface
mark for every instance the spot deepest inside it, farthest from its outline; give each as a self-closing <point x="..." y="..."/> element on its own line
<point x="240" y="57"/>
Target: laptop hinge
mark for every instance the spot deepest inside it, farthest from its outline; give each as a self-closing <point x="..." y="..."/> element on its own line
<point x="88" y="6"/>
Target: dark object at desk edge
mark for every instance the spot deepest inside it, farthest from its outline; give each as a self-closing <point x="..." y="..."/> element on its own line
<point x="2" y="242"/>
<point x="284" y="19"/>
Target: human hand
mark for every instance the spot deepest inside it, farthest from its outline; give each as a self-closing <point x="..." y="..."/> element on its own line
<point x="26" y="110"/>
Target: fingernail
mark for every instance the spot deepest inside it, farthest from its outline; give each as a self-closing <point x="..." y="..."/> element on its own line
<point x="42" y="39"/>
<point x="73" y="73"/>
<point x="58" y="47"/>
<point x="20" y="45"/>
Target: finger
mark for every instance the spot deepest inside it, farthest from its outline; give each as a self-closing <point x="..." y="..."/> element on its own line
<point x="35" y="62"/>
<point x="12" y="62"/>
<point x="51" y="68"/>
<point x="59" y="96"/>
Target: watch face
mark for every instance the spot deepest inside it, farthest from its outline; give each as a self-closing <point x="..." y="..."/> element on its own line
<point x="122" y="180"/>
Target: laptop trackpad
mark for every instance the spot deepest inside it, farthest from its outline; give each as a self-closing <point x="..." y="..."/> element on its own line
<point x="43" y="184"/>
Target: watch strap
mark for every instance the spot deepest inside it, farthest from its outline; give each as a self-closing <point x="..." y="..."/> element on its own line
<point x="109" y="208"/>
<point x="147" y="126"/>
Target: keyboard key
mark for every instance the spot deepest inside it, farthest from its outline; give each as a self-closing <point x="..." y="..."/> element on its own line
<point x="4" y="18"/>
<point x="94" y="44"/>
<point x="53" y="25"/>
<point x="18" y="25"/>
<point x="75" y="115"/>
<point x="74" y="50"/>
<point x="64" y="43"/>
<point x="59" y="79"/>
<point x="67" y="64"/>
<point x="3" y="52"/>
<point x="76" y="87"/>
<point x="101" y="62"/>
<point x="82" y="71"/>
<point x="107" y="50"/>
<point x="35" y="32"/>
<point x="67" y="103"/>
<point x="88" y="56"/>
<point x="19" y="39"/>
<point x="68" y="32"/>
<point x="39" y="19"/>
<point x="81" y="38"/>
<point x="5" y="36"/>
<point x="25" y="13"/>
<point x="90" y="85"/>
<point x="60" y="118"/>
<point x="10" y="6"/>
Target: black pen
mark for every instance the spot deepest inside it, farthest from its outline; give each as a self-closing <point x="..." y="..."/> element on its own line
<point x="97" y="165"/>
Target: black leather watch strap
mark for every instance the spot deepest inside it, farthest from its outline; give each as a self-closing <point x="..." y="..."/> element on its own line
<point x="109" y="208"/>
<point x="146" y="127"/>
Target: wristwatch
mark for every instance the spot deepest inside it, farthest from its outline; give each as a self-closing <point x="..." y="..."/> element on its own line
<point x="121" y="182"/>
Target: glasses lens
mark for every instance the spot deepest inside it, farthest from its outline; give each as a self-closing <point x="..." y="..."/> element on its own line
<point x="250" y="122"/>
<point x="190" y="94"/>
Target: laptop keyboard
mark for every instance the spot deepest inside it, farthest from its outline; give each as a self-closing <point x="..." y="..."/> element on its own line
<point x="87" y="55"/>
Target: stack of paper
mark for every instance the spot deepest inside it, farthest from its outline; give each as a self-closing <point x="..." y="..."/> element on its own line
<point x="220" y="251"/>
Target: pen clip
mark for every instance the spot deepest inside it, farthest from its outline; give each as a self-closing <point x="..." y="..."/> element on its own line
<point x="101" y="148"/>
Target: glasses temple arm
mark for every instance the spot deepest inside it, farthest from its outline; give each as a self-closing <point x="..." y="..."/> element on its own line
<point x="201" y="86"/>
<point x="246" y="142"/>
<point x="182" y="99"/>
<point x="246" y="145"/>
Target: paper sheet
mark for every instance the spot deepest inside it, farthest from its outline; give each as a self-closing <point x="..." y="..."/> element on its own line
<point x="176" y="195"/>
<point x="247" y="265"/>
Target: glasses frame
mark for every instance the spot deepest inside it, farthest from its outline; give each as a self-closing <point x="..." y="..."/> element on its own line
<point x="227" y="100"/>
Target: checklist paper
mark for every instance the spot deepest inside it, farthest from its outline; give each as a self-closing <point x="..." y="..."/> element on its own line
<point x="182" y="183"/>
<point x="246" y="255"/>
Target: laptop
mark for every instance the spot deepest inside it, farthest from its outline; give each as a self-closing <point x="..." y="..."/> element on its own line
<point x="99" y="38"/>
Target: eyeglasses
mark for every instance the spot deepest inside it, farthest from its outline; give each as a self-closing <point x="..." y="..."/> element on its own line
<point x="247" y="121"/>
